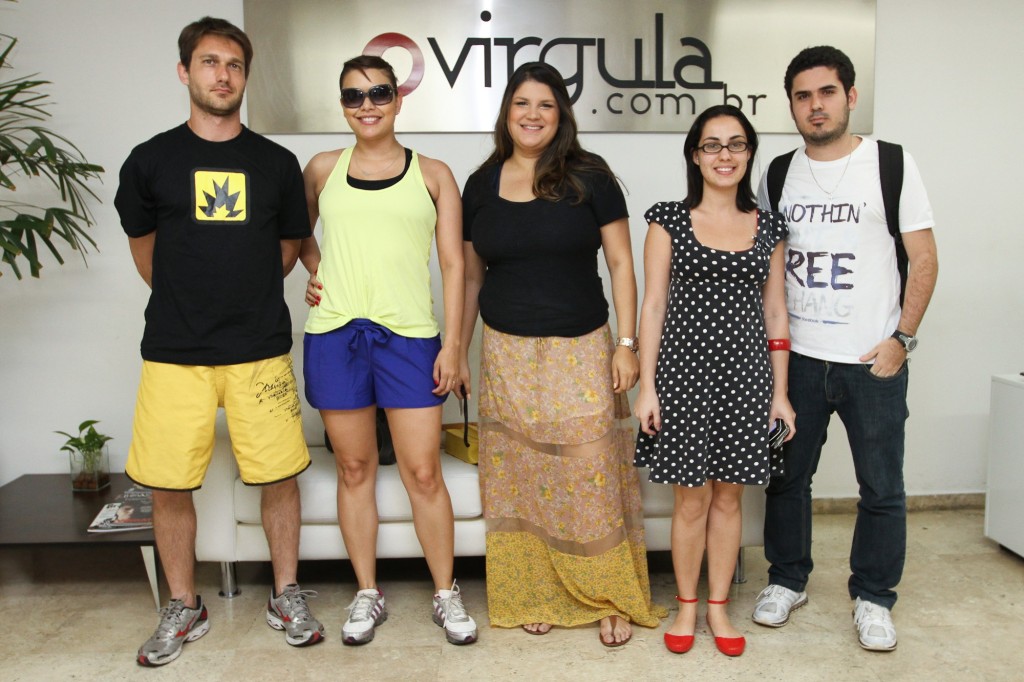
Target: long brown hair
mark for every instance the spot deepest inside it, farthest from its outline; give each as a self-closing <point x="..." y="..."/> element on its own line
<point x="558" y="170"/>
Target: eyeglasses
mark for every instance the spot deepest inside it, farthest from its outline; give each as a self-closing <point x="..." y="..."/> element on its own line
<point x="352" y="98"/>
<point x="735" y="147"/>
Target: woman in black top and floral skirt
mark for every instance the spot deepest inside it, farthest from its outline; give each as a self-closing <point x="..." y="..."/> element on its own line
<point x="565" y="542"/>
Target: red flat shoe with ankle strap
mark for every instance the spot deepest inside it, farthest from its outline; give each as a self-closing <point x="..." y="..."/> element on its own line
<point x="730" y="646"/>
<point x="680" y="644"/>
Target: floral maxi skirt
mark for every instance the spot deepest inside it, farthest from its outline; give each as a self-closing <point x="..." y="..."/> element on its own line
<point x="565" y="535"/>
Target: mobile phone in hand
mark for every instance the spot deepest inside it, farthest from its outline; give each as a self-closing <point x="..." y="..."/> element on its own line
<point x="777" y="434"/>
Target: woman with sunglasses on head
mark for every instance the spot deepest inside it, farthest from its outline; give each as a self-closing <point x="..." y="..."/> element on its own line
<point x="371" y="336"/>
<point x="714" y="332"/>
<point x="565" y="538"/>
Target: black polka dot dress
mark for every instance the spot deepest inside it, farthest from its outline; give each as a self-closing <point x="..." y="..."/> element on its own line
<point x="713" y="378"/>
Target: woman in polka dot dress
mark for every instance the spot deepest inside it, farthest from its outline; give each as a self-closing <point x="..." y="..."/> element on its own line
<point x="709" y="387"/>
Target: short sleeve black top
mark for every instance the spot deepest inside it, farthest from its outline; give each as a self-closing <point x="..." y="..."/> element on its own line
<point x="220" y="211"/>
<point x="541" y="277"/>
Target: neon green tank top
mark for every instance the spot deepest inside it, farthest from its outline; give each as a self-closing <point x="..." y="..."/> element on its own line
<point x="375" y="254"/>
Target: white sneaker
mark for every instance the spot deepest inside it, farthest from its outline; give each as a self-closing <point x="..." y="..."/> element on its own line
<point x="874" y="626"/>
<point x="365" y="613"/>
<point x="449" y="613"/>
<point x="774" y="605"/>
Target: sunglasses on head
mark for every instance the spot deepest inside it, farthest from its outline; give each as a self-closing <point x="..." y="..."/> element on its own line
<point x="352" y="98"/>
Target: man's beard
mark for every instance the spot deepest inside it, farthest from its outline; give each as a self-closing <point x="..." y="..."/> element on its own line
<point x="214" y="106"/>
<point x="821" y="138"/>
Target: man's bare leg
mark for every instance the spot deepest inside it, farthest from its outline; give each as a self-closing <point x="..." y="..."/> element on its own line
<point x="174" y="526"/>
<point x="281" y="511"/>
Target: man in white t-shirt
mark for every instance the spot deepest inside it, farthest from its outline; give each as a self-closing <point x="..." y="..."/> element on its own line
<point x="850" y="338"/>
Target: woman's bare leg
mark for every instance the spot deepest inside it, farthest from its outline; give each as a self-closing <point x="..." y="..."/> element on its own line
<point x="689" y="536"/>
<point x="416" y="433"/>
<point x="724" y="529"/>
<point x="353" y="435"/>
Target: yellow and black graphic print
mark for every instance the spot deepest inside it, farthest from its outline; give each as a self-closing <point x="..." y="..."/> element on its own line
<point x="220" y="196"/>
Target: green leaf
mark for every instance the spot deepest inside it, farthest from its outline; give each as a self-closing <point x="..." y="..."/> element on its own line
<point x="14" y="265"/>
<point x="87" y="440"/>
<point x="9" y="246"/>
<point x="32" y="253"/>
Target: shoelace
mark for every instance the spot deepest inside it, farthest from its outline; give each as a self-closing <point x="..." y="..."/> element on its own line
<point x="361" y="607"/>
<point x="453" y="608"/>
<point x="771" y="591"/>
<point x="872" y="614"/>
<point x="295" y="600"/>
<point x="171" y="617"/>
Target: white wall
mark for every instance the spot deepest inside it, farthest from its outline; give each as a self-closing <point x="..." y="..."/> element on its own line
<point x="947" y="87"/>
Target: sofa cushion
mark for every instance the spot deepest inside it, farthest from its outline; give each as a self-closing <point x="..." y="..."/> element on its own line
<point x="658" y="498"/>
<point x="318" y="490"/>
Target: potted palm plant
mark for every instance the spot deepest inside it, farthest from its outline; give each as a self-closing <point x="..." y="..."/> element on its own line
<point x="90" y="459"/>
<point x="33" y="156"/>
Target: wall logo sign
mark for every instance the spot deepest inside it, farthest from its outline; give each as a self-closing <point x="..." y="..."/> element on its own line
<point x="382" y="43"/>
<point x="636" y="66"/>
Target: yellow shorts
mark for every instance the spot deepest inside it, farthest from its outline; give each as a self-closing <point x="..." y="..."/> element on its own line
<point x="173" y="434"/>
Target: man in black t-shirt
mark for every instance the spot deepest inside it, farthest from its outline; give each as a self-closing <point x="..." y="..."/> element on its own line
<point x="215" y="214"/>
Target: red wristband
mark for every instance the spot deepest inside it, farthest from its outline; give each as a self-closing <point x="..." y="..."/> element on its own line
<point x="778" y="344"/>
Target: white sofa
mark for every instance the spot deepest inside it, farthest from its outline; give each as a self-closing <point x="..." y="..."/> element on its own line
<point x="229" y="511"/>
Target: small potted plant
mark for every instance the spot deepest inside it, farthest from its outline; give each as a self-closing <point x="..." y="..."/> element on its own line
<point x="90" y="468"/>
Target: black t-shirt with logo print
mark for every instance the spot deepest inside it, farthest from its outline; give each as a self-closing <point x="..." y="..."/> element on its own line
<point x="220" y="211"/>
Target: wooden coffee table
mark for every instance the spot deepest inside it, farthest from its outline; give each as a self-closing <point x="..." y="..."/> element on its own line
<point x="40" y="509"/>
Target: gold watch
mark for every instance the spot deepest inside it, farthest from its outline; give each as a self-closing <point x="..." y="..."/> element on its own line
<point x="630" y="343"/>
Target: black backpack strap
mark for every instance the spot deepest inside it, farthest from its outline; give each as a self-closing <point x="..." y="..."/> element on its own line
<point x="777" y="171"/>
<point x="890" y="175"/>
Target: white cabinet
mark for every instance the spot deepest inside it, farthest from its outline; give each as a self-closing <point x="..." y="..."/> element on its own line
<point x="1004" y="502"/>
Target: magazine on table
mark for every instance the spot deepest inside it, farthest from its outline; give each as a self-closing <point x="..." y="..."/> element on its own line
<point x="132" y="510"/>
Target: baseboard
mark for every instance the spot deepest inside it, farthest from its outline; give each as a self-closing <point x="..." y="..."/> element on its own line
<point x="848" y="505"/>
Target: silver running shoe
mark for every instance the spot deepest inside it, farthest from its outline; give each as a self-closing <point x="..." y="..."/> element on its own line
<point x="365" y="613"/>
<point x="289" y="612"/>
<point x="450" y="613"/>
<point x="178" y="624"/>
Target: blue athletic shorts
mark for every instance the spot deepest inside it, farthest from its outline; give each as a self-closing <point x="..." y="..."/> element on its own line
<point x="364" y="363"/>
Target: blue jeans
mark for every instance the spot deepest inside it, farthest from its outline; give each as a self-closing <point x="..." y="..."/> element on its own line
<point x="874" y="411"/>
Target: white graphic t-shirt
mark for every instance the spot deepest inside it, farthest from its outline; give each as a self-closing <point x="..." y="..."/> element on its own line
<point x="842" y="286"/>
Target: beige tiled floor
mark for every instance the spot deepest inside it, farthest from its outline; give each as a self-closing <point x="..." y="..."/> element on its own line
<point x="80" y="614"/>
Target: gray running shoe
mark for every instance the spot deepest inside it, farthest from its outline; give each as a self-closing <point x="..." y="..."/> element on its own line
<point x="290" y="613"/>
<point x="365" y="613"/>
<point x="178" y="624"/>
<point x="449" y="613"/>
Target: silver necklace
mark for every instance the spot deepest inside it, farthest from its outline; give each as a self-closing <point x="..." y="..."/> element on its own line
<point x="811" y="169"/>
<point x="381" y="171"/>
